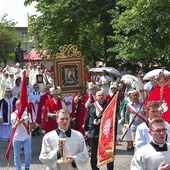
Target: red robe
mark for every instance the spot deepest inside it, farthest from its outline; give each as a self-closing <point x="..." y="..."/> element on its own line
<point x="79" y="113"/>
<point x="88" y="77"/>
<point x="41" y="106"/>
<point x="49" y="124"/>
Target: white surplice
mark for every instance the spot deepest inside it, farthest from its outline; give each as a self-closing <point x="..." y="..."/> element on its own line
<point x="147" y="158"/>
<point x="74" y="146"/>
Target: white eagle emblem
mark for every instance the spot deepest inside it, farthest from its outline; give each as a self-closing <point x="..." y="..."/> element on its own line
<point x="107" y="127"/>
<point x="164" y="106"/>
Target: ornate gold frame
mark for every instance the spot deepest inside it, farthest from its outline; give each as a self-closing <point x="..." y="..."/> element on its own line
<point x="69" y="60"/>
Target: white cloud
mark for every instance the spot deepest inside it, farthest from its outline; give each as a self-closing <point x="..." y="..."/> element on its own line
<point x="16" y="11"/>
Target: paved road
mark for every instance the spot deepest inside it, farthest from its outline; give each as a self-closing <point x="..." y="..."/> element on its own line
<point x="122" y="159"/>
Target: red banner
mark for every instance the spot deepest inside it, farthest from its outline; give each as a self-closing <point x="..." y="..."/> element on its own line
<point x="23" y="105"/>
<point x="107" y="135"/>
<point x="161" y="93"/>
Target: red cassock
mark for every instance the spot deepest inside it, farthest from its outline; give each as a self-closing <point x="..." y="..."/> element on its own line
<point x="49" y="124"/>
<point x="108" y="98"/>
<point x="88" y="77"/>
<point x="79" y="113"/>
<point x="41" y="106"/>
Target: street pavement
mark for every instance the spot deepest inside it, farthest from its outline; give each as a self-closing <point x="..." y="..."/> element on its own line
<point x="122" y="158"/>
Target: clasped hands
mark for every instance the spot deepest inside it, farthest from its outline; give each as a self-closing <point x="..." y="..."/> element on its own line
<point x="18" y="122"/>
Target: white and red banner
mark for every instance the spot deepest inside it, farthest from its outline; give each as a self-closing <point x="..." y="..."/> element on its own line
<point x="107" y="133"/>
<point x="161" y="93"/>
<point x="23" y="105"/>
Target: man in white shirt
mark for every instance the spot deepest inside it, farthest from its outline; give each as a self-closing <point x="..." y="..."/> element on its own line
<point x="104" y="82"/>
<point x="21" y="137"/>
<point x="148" y="86"/>
<point x="16" y="89"/>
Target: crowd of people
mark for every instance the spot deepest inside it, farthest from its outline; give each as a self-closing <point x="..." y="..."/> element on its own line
<point x="68" y="123"/>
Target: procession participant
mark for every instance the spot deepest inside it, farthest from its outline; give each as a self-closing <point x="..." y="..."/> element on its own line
<point x="21" y="137"/>
<point x="51" y="107"/>
<point x="79" y="110"/>
<point x="26" y="68"/>
<point x="10" y="82"/>
<point x="18" y="70"/>
<point x="30" y="88"/>
<point x="113" y="80"/>
<point x="92" y="127"/>
<point x="68" y="101"/>
<point x="93" y="88"/>
<point x="49" y="78"/>
<point x="92" y="94"/>
<point x="87" y="74"/>
<point x="16" y="89"/>
<point x="133" y="108"/>
<point x="104" y="82"/>
<point x="7" y="106"/>
<point x="121" y="69"/>
<point x="46" y="96"/>
<point x="123" y="120"/>
<point x="148" y="86"/>
<point x="3" y="82"/>
<point x="113" y="90"/>
<point x="128" y="88"/>
<point x="34" y="97"/>
<point x="40" y="83"/>
<point x="155" y="155"/>
<point x="142" y="132"/>
<point x="33" y="74"/>
<point x="1" y="85"/>
<point x="73" y="147"/>
<point x="93" y="77"/>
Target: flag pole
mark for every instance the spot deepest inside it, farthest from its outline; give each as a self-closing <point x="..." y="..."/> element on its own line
<point x="23" y="104"/>
<point x="160" y="74"/>
<point x="106" y="147"/>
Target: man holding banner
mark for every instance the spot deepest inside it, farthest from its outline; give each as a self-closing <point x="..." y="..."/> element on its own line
<point x="92" y="127"/>
<point x="21" y="137"/>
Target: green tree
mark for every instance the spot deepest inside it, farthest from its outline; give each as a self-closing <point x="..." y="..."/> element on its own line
<point x="142" y="31"/>
<point x="7" y="39"/>
<point x="79" y="22"/>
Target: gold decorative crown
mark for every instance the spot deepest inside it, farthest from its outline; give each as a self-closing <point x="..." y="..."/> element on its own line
<point x="68" y="51"/>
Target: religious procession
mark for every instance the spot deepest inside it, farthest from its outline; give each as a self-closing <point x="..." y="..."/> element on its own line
<point x="79" y="112"/>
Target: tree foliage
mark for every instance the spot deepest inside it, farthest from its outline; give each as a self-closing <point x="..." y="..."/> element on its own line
<point x="85" y="23"/>
<point x="142" y="31"/>
<point x="7" y="39"/>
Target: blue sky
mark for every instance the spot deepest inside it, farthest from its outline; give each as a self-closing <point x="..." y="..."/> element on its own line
<point x="16" y="11"/>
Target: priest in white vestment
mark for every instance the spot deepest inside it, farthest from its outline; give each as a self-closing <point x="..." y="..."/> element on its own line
<point x="156" y="155"/>
<point x="73" y="149"/>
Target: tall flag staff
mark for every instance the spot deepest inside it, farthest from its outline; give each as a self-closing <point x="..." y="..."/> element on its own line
<point x="106" y="145"/>
<point x="23" y="105"/>
<point x="139" y="110"/>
